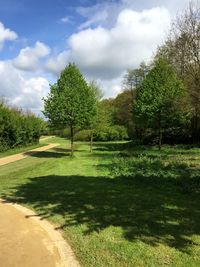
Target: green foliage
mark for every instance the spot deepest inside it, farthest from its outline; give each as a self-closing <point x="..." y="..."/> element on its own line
<point x="123" y="115"/>
<point x="18" y="128"/>
<point x="160" y="101"/>
<point x="143" y="164"/>
<point x="105" y="133"/>
<point x="71" y="101"/>
<point x="83" y="135"/>
<point x="105" y="113"/>
<point x="110" y="133"/>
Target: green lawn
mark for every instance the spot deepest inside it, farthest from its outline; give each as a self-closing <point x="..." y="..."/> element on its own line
<point x="22" y="149"/>
<point x="136" y="208"/>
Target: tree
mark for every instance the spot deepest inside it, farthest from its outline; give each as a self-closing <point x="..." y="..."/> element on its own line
<point x="92" y="123"/>
<point x="71" y="102"/>
<point x="124" y="110"/>
<point x="182" y="50"/>
<point x="158" y="103"/>
<point x="134" y="77"/>
<point x="124" y="101"/>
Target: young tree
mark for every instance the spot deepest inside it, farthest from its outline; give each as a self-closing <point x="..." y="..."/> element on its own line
<point x="71" y="101"/>
<point x="158" y="103"/>
<point x="124" y="110"/>
<point x="97" y="95"/>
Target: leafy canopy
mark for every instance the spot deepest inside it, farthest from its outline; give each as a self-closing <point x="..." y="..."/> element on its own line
<point x="160" y="97"/>
<point x="71" y="101"/>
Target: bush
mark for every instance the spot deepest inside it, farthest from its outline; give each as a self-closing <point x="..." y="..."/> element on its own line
<point x="18" y="128"/>
<point x="110" y="133"/>
<point x="83" y="135"/>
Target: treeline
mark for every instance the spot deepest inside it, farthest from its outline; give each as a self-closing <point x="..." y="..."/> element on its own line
<point x="161" y="100"/>
<point x="18" y="128"/>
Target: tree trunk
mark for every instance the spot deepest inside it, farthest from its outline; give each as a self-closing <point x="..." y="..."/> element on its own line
<point x="91" y="142"/>
<point x="72" y="140"/>
<point x="159" y="132"/>
<point x="195" y="127"/>
<point x="160" y="139"/>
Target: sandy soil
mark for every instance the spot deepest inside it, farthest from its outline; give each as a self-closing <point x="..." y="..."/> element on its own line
<point x="23" y="242"/>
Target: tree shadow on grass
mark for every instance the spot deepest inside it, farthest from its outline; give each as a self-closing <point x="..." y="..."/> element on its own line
<point x="46" y="154"/>
<point x="129" y="147"/>
<point x="61" y="150"/>
<point x="145" y="208"/>
<point x="111" y="146"/>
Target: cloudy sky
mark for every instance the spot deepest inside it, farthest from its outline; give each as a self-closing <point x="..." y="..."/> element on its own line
<point x="104" y="38"/>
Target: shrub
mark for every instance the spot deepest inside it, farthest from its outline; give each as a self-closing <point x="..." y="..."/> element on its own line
<point x="83" y="135"/>
<point x="18" y="128"/>
<point x="111" y="133"/>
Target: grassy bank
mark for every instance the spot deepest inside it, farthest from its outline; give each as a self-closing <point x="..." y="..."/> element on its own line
<point x="118" y="207"/>
<point x="23" y="148"/>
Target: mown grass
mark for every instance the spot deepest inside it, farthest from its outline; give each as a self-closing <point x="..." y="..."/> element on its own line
<point x="122" y="206"/>
<point x="21" y="149"/>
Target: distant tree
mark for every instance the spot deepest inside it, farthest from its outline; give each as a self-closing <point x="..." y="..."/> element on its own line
<point x="124" y="110"/>
<point x="132" y="80"/>
<point x="134" y="77"/>
<point x="106" y="112"/>
<point x="71" y="101"/>
<point x="159" y="99"/>
<point x="92" y="123"/>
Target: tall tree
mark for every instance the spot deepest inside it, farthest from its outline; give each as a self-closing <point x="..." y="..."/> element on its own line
<point x="134" y="77"/>
<point x="71" y="102"/>
<point x="131" y="82"/>
<point x="92" y="122"/>
<point x="158" y="99"/>
<point x="182" y="50"/>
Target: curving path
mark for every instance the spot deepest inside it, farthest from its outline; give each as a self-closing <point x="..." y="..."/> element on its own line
<point x="28" y="241"/>
<point x="24" y="155"/>
<point x="25" y="239"/>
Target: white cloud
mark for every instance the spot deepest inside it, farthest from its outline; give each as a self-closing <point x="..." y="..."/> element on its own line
<point x="94" y="15"/>
<point x="65" y="19"/>
<point x="113" y="8"/>
<point x="114" y="36"/>
<point x="106" y="53"/>
<point x="32" y="92"/>
<point x="57" y="63"/>
<point x="110" y="87"/>
<point x="28" y="57"/>
<point x="21" y="91"/>
<point x="6" y="35"/>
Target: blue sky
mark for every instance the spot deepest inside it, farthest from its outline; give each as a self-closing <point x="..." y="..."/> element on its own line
<point x="39" y="20"/>
<point x="104" y="38"/>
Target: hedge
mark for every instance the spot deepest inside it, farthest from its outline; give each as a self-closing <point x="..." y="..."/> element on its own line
<point x="18" y="128"/>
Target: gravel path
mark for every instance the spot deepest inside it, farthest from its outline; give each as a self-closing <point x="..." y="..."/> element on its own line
<point x="28" y="241"/>
<point x="26" y="154"/>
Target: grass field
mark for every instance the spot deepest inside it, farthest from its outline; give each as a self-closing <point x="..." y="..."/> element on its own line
<point x="120" y="206"/>
<point x="20" y="149"/>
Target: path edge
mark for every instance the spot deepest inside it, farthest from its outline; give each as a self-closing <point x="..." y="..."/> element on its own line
<point x="67" y="256"/>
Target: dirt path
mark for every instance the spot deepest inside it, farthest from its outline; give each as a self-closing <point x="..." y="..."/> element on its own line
<point x="28" y="241"/>
<point x="26" y="154"/>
